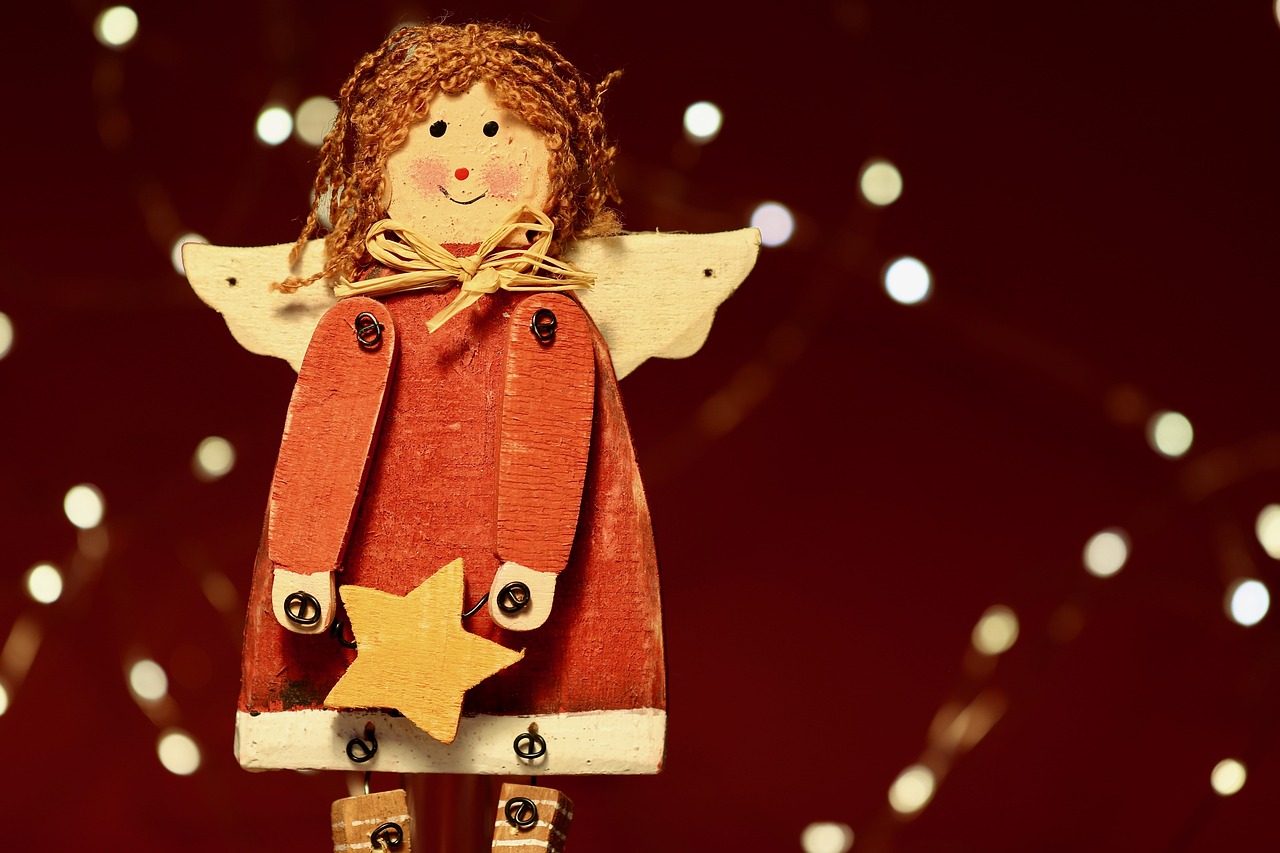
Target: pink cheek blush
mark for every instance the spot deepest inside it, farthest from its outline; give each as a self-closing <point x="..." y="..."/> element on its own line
<point x="504" y="181"/>
<point x="429" y="174"/>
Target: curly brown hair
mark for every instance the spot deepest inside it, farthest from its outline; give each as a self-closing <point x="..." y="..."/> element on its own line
<point x="390" y="90"/>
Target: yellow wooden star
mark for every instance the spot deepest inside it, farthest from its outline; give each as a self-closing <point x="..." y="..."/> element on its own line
<point x="414" y="655"/>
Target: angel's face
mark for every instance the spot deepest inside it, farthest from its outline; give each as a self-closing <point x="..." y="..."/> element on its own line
<point x="464" y="167"/>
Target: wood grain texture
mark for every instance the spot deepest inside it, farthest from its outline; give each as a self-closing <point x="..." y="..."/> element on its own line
<point x="236" y="282"/>
<point x="548" y="835"/>
<point x="588" y="742"/>
<point x="414" y="655"/>
<point x="545" y="433"/>
<point x="319" y="585"/>
<point x="431" y="497"/>
<point x="536" y="610"/>
<point x="329" y="433"/>
<point x="355" y="819"/>
<point x="655" y="294"/>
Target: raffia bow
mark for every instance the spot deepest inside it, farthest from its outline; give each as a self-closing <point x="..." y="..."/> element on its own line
<point x="424" y="264"/>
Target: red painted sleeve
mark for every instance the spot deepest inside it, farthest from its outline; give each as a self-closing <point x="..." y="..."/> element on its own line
<point x="329" y="435"/>
<point x="547" y="409"/>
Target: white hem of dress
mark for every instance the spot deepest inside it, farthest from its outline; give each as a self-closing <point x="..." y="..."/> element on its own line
<point x="595" y="742"/>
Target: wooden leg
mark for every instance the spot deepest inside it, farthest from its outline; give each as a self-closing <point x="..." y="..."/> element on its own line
<point x="372" y="822"/>
<point x="531" y="820"/>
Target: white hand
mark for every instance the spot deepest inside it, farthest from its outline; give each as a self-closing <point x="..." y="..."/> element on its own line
<point x="319" y="586"/>
<point x="542" y="590"/>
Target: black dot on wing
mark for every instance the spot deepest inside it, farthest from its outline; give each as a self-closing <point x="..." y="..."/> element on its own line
<point x="438" y="128"/>
<point x="708" y="272"/>
<point x="490" y="128"/>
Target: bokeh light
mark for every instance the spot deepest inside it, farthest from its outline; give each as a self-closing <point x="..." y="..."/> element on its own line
<point x="313" y="118"/>
<point x="274" y="125"/>
<point x="1248" y="601"/>
<point x="1106" y="552"/>
<point x="148" y="681"/>
<point x="702" y="121"/>
<point x="775" y="222"/>
<point x="175" y="252"/>
<point x="880" y="182"/>
<point x="214" y="458"/>
<point x="116" y="27"/>
<point x="1268" y="529"/>
<point x="220" y="591"/>
<point x="912" y="790"/>
<point x="6" y="334"/>
<point x="44" y="583"/>
<point x="907" y="281"/>
<point x="84" y="506"/>
<point x="1169" y="434"/>
<point x="4" y="698"/>
<point x="1228" y="777"/>
<point x="996" y="631"/>
<point x="826" y="837"/>
<point x="20" y="649"/>
<point x="178" y="752"/>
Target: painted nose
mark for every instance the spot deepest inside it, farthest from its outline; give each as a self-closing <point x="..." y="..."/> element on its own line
<point x="461" y="174"/>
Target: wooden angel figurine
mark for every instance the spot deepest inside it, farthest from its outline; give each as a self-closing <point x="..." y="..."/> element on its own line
<point x="456" y="431"/>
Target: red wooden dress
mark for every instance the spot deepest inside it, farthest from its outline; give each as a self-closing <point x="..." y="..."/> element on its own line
<point x="444" y="458"/>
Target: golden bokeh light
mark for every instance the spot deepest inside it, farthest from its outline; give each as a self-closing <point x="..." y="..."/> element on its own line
<point x="913" y="789"/>
<point x="1106" y="552"/>
<point x="1228" y="777"/>
<point x="880" y="182"/>
<point x="1170" y="434"/>
<point x="996" y="631"/>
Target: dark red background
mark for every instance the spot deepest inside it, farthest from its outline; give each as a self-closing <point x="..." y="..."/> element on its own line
<point x="1094" y="186"/>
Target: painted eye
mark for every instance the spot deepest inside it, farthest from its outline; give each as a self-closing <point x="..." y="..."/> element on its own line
<point x="438" y="128"/>
<point x="490" y="129"/>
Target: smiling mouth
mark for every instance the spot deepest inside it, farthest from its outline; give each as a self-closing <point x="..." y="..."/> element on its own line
<point x="455" y="201"/>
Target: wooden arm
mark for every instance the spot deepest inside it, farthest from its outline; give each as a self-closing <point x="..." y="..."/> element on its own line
<point x="547" y="410"/>
<point x="329" y="435"/>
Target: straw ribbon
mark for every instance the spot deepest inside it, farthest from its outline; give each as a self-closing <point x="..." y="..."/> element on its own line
<point x="424" y="264"/>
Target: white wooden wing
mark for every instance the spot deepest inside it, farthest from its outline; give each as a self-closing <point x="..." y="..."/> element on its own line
<point x="655" y="294"/>
<point x="236" y="282"/>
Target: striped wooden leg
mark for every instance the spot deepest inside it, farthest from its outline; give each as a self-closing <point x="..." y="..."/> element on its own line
<point x="531" y="820"/>
<point x="373" y="822"/>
